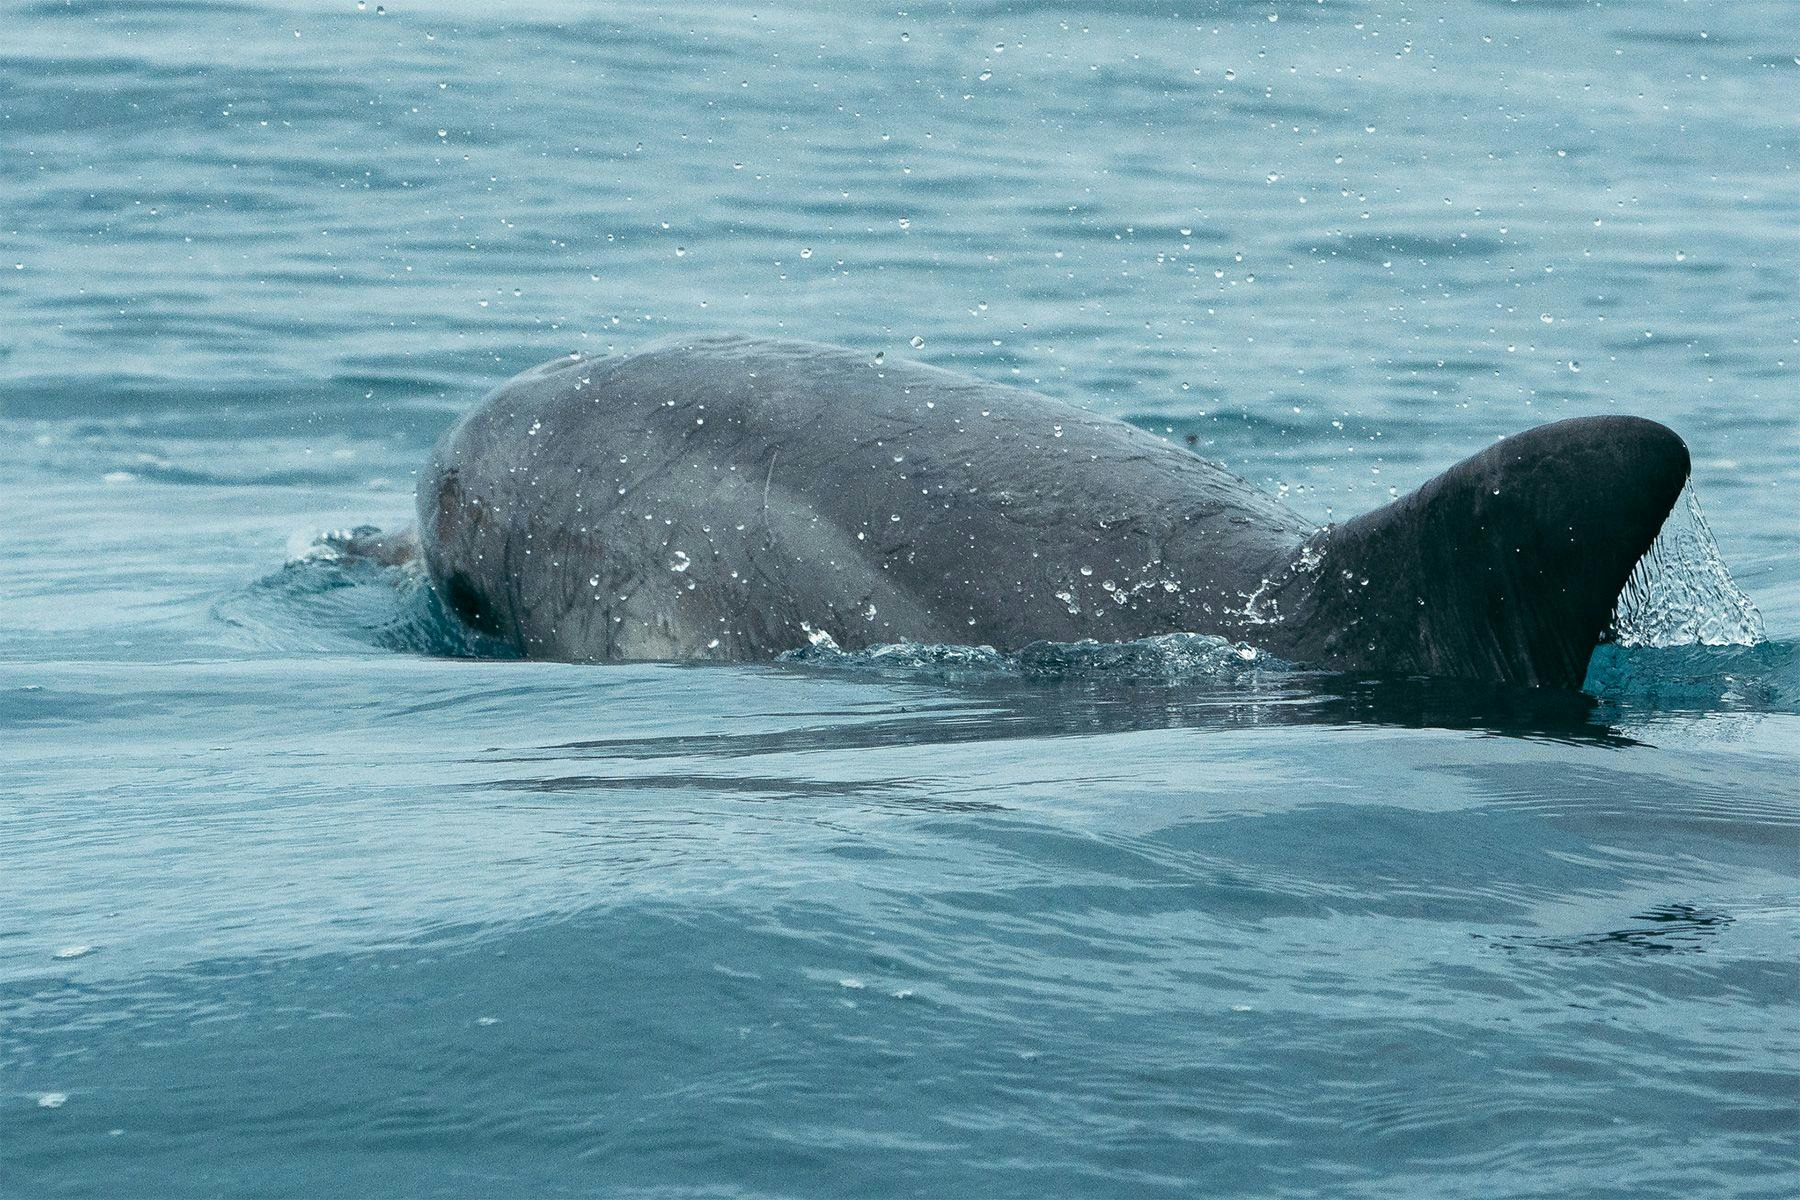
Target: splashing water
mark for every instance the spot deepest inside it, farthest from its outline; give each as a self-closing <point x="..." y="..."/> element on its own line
<point x="1681" y="593"/>
<point x="1169" y="658"/>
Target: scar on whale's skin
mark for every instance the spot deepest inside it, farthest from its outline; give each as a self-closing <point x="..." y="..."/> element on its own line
<point x="632" y="509"/>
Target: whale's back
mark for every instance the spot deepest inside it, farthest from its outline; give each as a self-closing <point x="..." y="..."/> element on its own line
<point x="730" y="497"/>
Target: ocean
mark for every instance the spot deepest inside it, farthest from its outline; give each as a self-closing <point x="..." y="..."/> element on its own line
<point x="304" y="891"/>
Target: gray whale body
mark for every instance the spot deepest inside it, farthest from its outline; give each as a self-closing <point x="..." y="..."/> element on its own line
<point x="728" y="497"/>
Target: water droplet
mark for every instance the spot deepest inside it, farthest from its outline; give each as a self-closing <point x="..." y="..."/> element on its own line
<point x="918" y="343"/>
<point x="806" y="252"/>
<point x="679" y="561"/>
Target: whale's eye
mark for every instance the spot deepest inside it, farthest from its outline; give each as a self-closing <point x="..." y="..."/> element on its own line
<point x="469" y="604"/>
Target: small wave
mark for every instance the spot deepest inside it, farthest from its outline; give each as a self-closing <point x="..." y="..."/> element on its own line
<point x="1681" y="593"/>
<point x="1698" y="678"/>
<point x="348" y="590"/>
<point x="1168" y="658"/>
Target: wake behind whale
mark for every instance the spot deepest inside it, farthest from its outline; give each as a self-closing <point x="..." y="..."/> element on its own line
<point x="729" y="498"/>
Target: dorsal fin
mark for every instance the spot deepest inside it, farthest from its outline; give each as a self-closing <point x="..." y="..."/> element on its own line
<point x="1506" y="567"/>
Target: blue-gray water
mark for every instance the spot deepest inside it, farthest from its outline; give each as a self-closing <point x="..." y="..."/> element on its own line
<point x="294" y="904"/>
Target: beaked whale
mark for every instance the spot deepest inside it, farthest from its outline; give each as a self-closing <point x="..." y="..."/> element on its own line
<point x="729" y="498"/>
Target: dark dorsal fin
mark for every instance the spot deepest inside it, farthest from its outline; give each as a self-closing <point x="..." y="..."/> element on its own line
<point x="1506" y="567"/>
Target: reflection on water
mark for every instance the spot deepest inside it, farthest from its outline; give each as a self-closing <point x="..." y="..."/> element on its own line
<point x="1670" y="929"/>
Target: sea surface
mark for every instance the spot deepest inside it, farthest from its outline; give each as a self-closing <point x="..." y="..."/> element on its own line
<point x="302" y="896"/>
